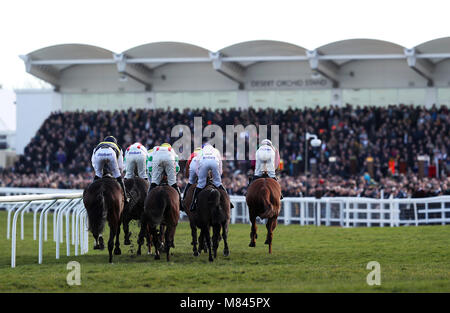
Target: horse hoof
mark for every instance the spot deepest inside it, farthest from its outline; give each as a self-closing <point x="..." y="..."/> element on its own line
<point x="252" y="244"/>
<point x="117" y="251"/>
<point x="96" y="247"/>
<point x="138" y="253"/>
<point x="127" y="242"/>
<point x="211" y="259"/>
<point x="196" y="253"/>
<point x="266" y="242"/>
<point x="157" y="257"/>
<point x="226" y="253"/>
<point x="102" y="247"/>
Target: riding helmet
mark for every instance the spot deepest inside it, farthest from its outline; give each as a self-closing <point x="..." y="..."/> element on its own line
<point x="110" y="139"/>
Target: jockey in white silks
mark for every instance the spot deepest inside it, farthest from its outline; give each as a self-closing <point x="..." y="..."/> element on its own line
<point x="209" y="159"/>
<point x="150" y="162"/>
<point x="136" y="159"/>
<point x="191" y="168"/>
<point x="165" y="160"/>
<point x="108" y="154"/>
<point x="267" y="160"/>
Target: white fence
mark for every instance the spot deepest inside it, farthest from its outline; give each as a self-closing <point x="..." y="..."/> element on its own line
<point x="62" y="206"/>
<point x="352" y="211"/>
<point x="338" y="211"/>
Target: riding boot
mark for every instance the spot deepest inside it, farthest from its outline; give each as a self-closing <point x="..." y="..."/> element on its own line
<point x="223" y="188"/>
<point x="179" y="194"/>
<point x="122" y="184"/>
<point x="194" y="199"/>
<point x="185" y="190"/>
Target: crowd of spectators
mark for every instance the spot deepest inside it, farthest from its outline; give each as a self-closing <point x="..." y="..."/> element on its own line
<point x="59" y="155"/>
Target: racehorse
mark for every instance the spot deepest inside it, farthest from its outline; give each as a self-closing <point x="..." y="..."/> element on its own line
<point x="137" y="189"/>
<point x="162" y="207"/>
<point x="104" y="200"/>
<point x="213" y="210"/>
<point x="263" y="200"/>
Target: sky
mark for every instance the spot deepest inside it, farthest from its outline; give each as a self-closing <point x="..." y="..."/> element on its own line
<point x="26" y="26"/>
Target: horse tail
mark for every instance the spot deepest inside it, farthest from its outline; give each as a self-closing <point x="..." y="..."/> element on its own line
<point x="214" y="198"/>
<point x="267" y="205"/>
<point x="155" y="211"/>
<point x="214" y="205"/>
<point x="98" y="212"/>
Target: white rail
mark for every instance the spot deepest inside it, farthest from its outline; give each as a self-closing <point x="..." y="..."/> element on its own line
<point x="354" y="211"/>
<point x="61" y="205"/>
<point x="338" y="211"/>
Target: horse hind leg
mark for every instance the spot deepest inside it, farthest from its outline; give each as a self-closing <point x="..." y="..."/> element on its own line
<point x="216" y="239"/>
<point x="194" y="240"/>
<point x="96" y="238"/>
<point x="168" y="241"/>
<point x="156" y="242"/>
<point x="127" y="233"/>
<point x="117" y="250"/>
<point x="101" y="244"/>
<point x="271" y="224"/>
<point x="253" y="235"/>
<point x="149" y="243"/>
<point x="111" y="243"/>
<point x="207" y="237"/>
<point x="226" y="251"/>
<point x="141" y="236"/>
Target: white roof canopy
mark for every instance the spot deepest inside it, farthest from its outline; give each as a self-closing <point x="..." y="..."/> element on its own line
<point x="139" y="62"/>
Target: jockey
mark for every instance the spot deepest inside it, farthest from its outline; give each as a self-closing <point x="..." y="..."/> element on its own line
<point x="267" y="160"/>
<point x="136" y="158"/>
<point x="209" y="159"/>
<point x="150" y="162"/>
<point x="108" y="153"/>
<point x="165" y="160"/>
<point x="191" y="169"/>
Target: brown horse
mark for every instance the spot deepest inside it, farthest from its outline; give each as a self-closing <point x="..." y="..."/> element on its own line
<point x="104" y="200"/>
<point x="263" y="200"/>
<point x="213" y="210"/>
<point x="137" y="189"/>
<point x="162" y="207"/>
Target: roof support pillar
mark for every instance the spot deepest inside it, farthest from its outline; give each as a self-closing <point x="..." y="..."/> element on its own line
<point x="231" y="70"/>
<point x="138" y="72"/>
<point x="421" y="66"/>
<point x="44" y="72"/>
<point x="324" y="68"/>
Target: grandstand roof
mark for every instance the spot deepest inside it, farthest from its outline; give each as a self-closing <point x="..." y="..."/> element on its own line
<point x="139" y="62"/>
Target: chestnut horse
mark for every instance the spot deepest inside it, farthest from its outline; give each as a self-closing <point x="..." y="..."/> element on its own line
<point x="213" y="210"/>
<point x="263" y="200"/>
<point x="104" y="200"/>
<point x="162" y="207"/>
<point x="137" y="189"/>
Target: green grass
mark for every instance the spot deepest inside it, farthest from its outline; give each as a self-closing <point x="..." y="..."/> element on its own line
<point x="304" y="259"/>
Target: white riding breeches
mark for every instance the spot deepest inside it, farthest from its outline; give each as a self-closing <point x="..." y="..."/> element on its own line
<point x="206" y="164"/>
<point x="265" y="161"/>
<point x="164" y="162"/>
<point x="136" y="160"/>
<point x="106" y="157"/>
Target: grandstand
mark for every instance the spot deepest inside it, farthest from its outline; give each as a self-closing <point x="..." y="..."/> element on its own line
<point x="390" y="87"/>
